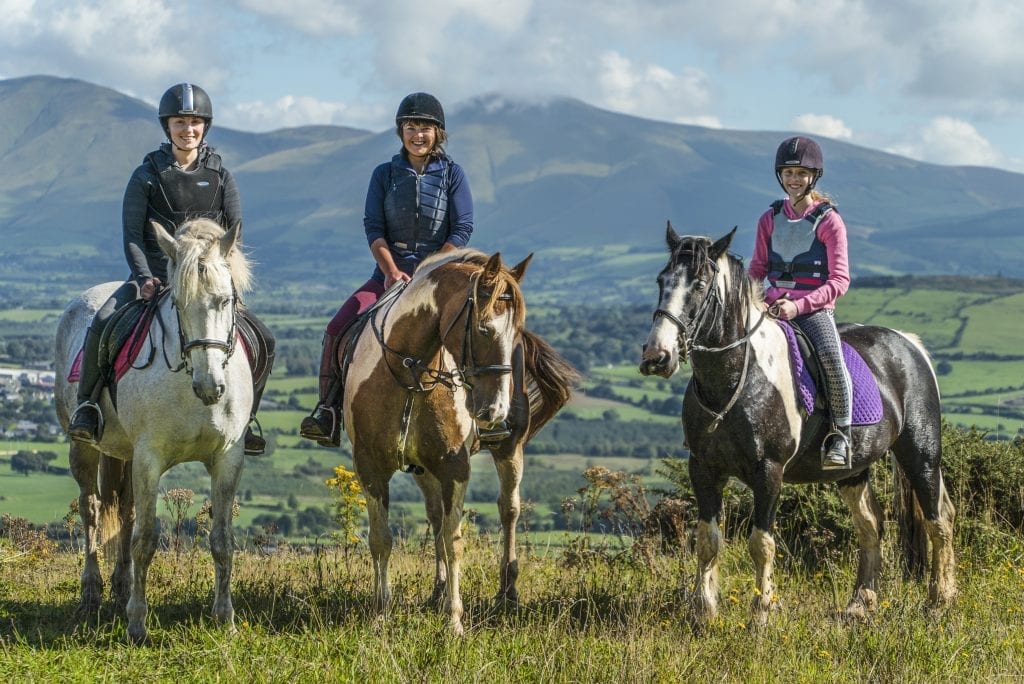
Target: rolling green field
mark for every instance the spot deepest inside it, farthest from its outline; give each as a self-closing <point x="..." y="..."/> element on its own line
<point x="986" y="391"/>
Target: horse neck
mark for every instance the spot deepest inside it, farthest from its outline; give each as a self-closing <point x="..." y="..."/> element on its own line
<point x="723" y="369"/>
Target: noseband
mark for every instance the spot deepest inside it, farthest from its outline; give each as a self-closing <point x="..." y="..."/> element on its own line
<point x="188" y="346"/>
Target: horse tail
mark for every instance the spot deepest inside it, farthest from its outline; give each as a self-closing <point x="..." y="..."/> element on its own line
<point x="114" y="481"/>
<point x="913" y="538"/>
<point x="549" y="380"/>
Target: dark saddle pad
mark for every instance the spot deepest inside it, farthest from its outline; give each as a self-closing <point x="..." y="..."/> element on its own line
<point x="867" y="399"/>
<point x="123" y="339"/>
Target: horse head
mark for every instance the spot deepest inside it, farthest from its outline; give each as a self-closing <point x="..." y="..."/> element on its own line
<point x="483" y="334"/>
<point x="207" y="272"/>
<point x="688" y="288"/>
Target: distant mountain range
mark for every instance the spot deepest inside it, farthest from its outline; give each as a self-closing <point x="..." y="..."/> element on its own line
<point x="588" y="190"/>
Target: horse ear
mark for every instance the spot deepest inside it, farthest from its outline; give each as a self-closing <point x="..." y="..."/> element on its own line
<point x="519" y="270"/>
<point x="720" y="247"/>
<point x="672" y="237"/>
<point x="168" y="245"/>
<point x="227" y="243"/>
<point x="492" y="268"/>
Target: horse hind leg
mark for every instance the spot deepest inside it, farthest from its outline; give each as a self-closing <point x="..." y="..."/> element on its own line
<point x="510" y="474"/>
<point x="431" y="488"/>
<point x="942" y="588"/>
<point x="380" y="543"/>
<point x="118" y="520"/>
<point x="867" y="520"/>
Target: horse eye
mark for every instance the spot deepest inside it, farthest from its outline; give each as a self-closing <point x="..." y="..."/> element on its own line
<point x="486" y="332"/>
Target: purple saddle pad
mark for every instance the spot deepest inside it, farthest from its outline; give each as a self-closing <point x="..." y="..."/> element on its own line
<point x="867" y="400"/>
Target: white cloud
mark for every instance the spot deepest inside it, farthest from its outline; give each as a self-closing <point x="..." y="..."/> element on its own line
<point x="650" y="90"/>
<point x="312" y="17"/>
<point x="291" y="111"/>
<point x="945" y="140"/>
<point x="823" y="124"/>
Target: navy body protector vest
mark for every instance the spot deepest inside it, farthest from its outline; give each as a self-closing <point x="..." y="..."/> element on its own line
<point x="797" y="257"/>
<point x="182" y="195"/>
<point x="416" y="209"/>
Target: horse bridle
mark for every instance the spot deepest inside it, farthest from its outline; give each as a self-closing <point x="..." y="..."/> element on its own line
<point x="687" y="333"/>
<point x="186" y="347"/>
<point x="457" y="377"/>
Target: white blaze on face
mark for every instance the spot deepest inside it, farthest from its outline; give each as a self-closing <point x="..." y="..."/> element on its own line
<point x="664" y="333"/>
<point x="502" y="332"/>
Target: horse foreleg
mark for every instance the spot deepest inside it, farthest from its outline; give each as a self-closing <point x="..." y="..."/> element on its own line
<point x="380" y="542"/>
<point x="84" y="461"/>
<point x="145" y="478"/>
<point x="867" y="521"/>
<point x="942" y="585"/>
<point x="708" y="490"/>
<point x="451" y="535"/>
<point x="224" y="475"/>
<point x="767" y="485"/>
<point x="431" y="488"/>
<point x="510" y="474"/>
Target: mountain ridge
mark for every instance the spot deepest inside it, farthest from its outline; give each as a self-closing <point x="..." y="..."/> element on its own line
<point x="588" y="190"/>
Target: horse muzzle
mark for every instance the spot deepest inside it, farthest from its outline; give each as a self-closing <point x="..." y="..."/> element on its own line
<point x="659" y="362"/>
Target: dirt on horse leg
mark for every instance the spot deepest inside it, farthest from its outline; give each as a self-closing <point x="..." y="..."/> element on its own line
<point x="942" y="588"/>
<point x="761" y="545"/>
<point x="704" y="603"/>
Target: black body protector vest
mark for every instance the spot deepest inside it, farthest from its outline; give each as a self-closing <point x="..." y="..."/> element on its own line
<point x="416" y="210"/>
<point x="182" y="195"/>
<point x="797" y="258"/>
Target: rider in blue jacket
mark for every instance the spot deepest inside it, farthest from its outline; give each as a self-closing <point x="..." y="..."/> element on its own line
<point x="417" y="204"/>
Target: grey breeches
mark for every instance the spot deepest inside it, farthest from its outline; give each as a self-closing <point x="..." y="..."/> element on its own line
<point x="820" y="327"/>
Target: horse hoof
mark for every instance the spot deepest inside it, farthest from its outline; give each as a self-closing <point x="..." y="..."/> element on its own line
<point x="138" y="637"/>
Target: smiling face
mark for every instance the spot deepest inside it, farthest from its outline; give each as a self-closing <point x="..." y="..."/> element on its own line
<point x="418" y="138"/>
<point x="796" y="181"/>
<point x="186" y="131"/>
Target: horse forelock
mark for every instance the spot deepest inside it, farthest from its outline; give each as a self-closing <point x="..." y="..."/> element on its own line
<point x="198" y="265"/>
<point x="505" y="282"/>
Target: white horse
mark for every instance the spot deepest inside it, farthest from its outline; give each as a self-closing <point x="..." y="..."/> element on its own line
<point x="191" y="403"/>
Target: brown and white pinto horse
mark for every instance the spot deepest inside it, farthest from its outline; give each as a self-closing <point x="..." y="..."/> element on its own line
<point x="742" y="419"/>
<point x="437" y="363"/>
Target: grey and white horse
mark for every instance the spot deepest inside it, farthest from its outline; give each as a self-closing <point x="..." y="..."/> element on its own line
<point x="190" y="403"/>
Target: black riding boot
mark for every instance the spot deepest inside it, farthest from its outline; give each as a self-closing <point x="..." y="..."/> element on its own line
<point x="835" y="452"/>
<point x="86" y="423"/>
<point x="323" y="425"/>
<point x="255" y="444"/>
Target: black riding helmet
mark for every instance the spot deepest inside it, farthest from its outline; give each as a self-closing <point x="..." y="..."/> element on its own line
<point x="185" y="99"/>
<point x="802" y="152"/>
<point x="420" y="107"/>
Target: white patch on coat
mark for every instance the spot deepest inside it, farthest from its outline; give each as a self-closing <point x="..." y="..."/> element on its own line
<point x="771" y="353"/>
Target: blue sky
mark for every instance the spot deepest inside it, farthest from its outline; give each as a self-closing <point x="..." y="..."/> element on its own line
<point x="936" y="80"/>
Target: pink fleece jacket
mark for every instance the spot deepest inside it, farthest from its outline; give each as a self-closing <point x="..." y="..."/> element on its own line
<point x="832" y="233"/>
